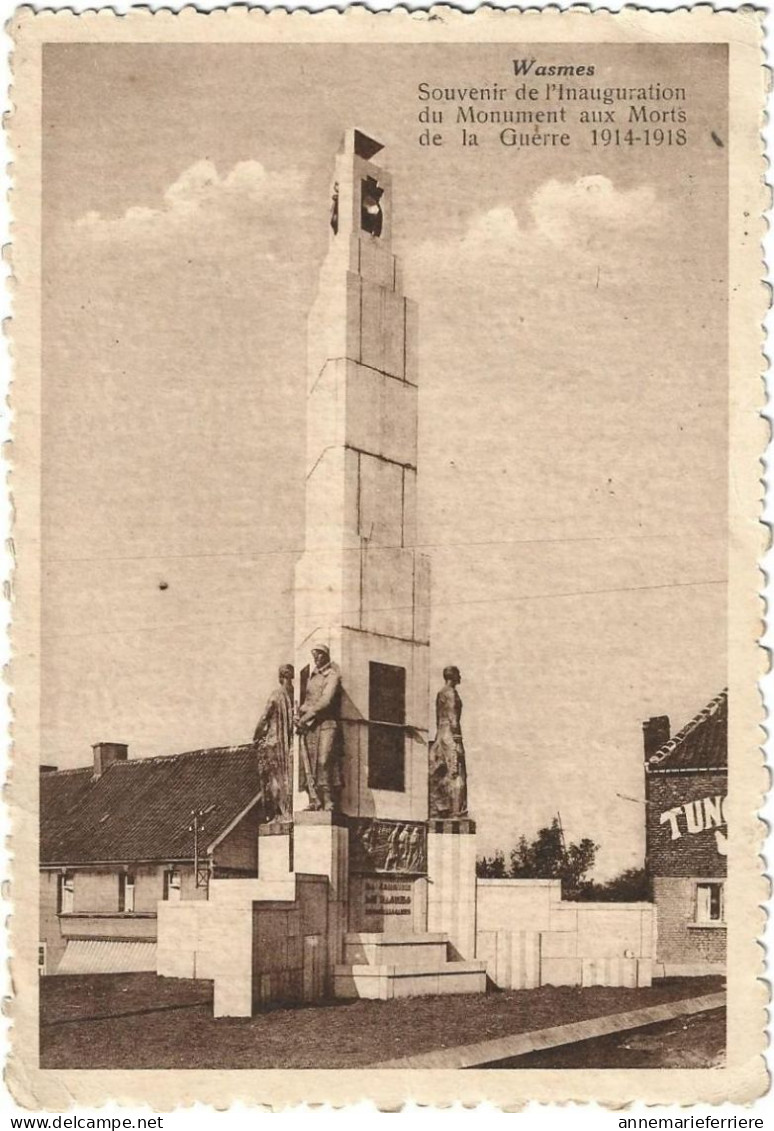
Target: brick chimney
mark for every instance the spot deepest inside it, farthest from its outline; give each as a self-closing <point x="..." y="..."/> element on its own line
<point x="105" y="753"/>
<point x="655" y="732"/>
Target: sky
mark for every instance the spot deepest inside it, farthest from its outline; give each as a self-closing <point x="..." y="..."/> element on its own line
<point x="572" y="409"/>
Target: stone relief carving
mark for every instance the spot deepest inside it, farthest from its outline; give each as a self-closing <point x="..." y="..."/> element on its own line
<point x="388" y="846"/>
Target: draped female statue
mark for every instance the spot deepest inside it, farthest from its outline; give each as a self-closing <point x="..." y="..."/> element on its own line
<point x="274" y="738"/>
<point x="448" y="774"/>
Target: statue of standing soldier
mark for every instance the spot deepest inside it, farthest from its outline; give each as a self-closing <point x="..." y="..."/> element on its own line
<point x="274" y="738"/>
<point x="448" y="774"/>
<point x="319" y="730"/>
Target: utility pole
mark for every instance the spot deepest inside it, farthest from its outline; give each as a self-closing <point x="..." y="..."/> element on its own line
<point x="201" y="870"/>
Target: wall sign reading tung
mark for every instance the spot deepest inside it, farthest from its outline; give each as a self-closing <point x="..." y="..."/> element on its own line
<point x="698" y="816"/>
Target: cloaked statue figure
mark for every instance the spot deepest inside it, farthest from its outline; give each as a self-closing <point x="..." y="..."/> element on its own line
<point x="448" y="775"/>
<point x="320" y="770"/>
<point x="274" y="738"/>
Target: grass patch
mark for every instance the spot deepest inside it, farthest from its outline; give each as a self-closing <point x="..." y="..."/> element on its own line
<point x="141" y="1021"/>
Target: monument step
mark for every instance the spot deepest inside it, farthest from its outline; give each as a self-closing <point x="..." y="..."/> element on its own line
<point x="395" y="937"/>
<point x="386" y="982"/>
<point x="415" y="952"/>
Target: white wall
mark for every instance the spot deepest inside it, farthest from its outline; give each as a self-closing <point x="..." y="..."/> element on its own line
<point x="529" y="936"/>
<point x="516" y="905"/>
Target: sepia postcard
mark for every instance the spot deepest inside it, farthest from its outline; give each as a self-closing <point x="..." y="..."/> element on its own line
<point x="386" y="497"/>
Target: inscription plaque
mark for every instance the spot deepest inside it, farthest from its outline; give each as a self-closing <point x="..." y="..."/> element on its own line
<point x="388" y="897"/>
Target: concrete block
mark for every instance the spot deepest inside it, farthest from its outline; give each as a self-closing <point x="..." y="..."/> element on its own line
<point x="178" y="926"/>
<point x="468" y="982"/>
<point x="451" y="903"/>
<point x="334" y="321"/>
<point x="314" y="964"/>
<point x="398" y="421"/>
<point x="241" y="893"/>
<point x="313" y="907"/>
<point x="388" y="588"/>
<point x="415" y="985"/>
<point x="326" y="411"/>
<point x="274" y="857"/>
<point x="414" y="954"/>
<point x="411" y="317"/>
<point x="558" y="944"/>
<point x="380" y="507"/>
<point x="175" y="962"/>
<point x="381" y="415"/>
<point x="422" y="598"/>
<point x="382" y="329"/>
<point x="376" y="264"/>
<point x="409" y="533"/>
<point x="270" y="934"/>
<point x="563" y="917"/>
<point x="516" y="904"/>
<point x="560" y="971"/>
<point x="486" y="950"/>
<point x="608" y="931"/>
<point x="295" y="952"/>
<point x="627" y="972"/>
<point x="233" y="996"/>
<point x="648" y="933"/>
<point x="593" y="972"/>
<point x="512" y="958"/>
<point x="645" y="971"/>
<point x="325" y="513"/>
<point x="355" y="740"/>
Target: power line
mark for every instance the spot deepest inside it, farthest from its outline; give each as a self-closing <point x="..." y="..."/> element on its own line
<point x="391" y="608"/>
<point x="415" y="546"/>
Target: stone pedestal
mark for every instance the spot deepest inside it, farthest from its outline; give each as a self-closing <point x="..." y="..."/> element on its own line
<point x="275" y="850"/>
<point x="451" y="893"/>
<point x="321" y="848"/>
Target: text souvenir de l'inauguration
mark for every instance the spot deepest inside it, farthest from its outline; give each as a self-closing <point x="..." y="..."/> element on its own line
<point x="653" y="114"/>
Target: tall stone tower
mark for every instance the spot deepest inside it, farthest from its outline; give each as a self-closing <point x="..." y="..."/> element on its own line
<point x="396" y="915"/>
<point x="361" y="586"/>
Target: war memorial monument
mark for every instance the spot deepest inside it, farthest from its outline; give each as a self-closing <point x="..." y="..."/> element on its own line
<point x="366" y="864"/>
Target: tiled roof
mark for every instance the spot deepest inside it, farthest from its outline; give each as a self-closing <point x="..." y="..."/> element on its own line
<point x="701" y="744"/>
<point x="140" y="809"/>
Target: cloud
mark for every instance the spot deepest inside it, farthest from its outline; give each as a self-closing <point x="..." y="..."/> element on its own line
<point x="558" y="276"/>
<point x="548" y="249"/>
<point x="563" y="215"/>
<point x="199" y="195"/>
<point x="592" y="204"/>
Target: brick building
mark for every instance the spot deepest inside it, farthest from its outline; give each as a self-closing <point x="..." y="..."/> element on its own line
<point x="685" y="789"/>
<point x="117" y="837"/>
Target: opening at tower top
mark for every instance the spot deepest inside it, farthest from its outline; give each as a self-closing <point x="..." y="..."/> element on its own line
<point x="365" y="146"/>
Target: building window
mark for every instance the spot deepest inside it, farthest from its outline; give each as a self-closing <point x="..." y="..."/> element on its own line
<point x="386" y="727"/>
<point x="172" y="885"/>
<point x="709" y="903"/>
<point x="126" y="892"/>
<point x="65" y="895"/>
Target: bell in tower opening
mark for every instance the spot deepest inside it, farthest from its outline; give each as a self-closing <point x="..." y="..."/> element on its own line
<point x="371" y="215"/>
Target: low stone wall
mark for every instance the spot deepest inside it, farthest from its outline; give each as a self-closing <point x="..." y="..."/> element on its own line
<point x="259" y="941"/>
<point x="516" y="904"/>
<point x="528" y="936"/>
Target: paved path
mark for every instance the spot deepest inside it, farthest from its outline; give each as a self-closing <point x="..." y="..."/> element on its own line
<point x="502" y="1048"/>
